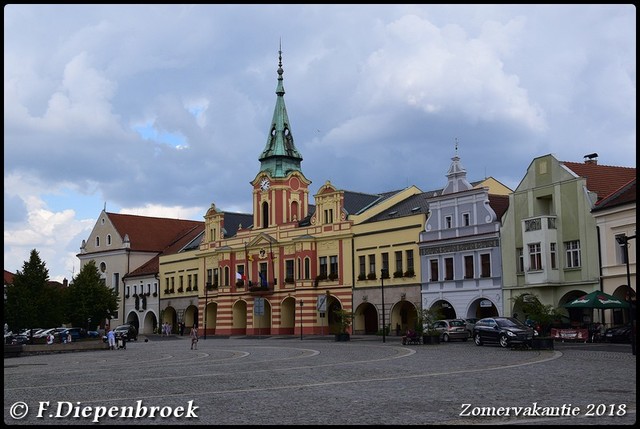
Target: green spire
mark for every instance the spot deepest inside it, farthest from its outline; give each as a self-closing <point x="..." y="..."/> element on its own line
<point x="280" y="155"/>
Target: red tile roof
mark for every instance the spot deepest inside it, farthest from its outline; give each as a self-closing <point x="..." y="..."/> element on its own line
<point x="152" y="234"/>
<point x="602" y="179"/>
<point x="8" y="277"/>
<point x="625" y="194"/>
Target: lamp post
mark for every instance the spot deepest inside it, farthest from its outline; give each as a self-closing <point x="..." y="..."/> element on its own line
<point x="301" y="304"/>
<point x="384" y="324"/>
<point x="206" y="302"/>
<point x="624" y="240"/>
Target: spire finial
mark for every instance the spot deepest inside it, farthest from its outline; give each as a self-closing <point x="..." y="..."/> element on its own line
<point x="280" y="71"/>
<point x="456" y="140"/>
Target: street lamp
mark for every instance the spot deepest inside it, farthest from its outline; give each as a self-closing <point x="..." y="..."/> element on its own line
<point x="384" y="324"/>
<point x="206" y="301"/>
<point x="624" y="240"/>
<point x="301" y="304"/>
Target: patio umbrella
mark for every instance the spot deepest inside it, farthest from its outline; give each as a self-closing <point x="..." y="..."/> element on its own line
<point x="597" y="299"/>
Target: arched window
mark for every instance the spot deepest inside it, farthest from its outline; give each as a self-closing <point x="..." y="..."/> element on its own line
<point x="265" y="215"/>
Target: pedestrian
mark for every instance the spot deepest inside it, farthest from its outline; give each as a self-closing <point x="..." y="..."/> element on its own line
<point x="50" y="338"/>
<point x="194" y="337"/>
<point x="182" y="329"/>
<point x="111" y="337"/>
<point x="69" y="339"/>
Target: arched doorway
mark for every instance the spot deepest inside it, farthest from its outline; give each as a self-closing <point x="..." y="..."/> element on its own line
<point x="332" y="306"/>
<point x="287" y="316"/>
<point x="210" y="318"/>
<point x="262" y="323"/>
<point x="404" y="315"/>
<point x="446" y="309"/>
<point x="132" y="319"/>
<point x="365" y="319"/>
<point x="239" y="323"/>
<point x="149" y="324"/>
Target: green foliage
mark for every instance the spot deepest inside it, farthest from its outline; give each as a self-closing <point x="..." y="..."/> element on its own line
<point x="544" y="315"/>
<point x="427" y="317"/>
<point x="88" y="298"/>
<point x="31" y="302"/>
<point x="343" y="318"/>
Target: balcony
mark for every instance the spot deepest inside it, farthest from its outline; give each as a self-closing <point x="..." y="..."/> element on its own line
<point x="262" y="290"/>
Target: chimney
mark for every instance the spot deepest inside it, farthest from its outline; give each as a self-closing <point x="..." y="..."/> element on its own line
<point x="65" y="282"/>
<point x="591" y="158"/>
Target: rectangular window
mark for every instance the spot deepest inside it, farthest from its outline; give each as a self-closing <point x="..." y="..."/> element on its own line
<point x="519" y="260"/>
<point x="535" y="257"/>
<point x="447" y="222"/>
<point x="195" y="282"/>
<point x="573" y="253"/>
<point x="372" y="264"/>
<point x="362" y="266"/>
<point x="620" y="259"/>
<point x="173" y="285"/>
<point x="468" y="267"/>
<point x="226" y="276"/>
<point x="240" y="273"/>
<point x="552" y="254"/>
<point x="434" y="270"/>
<point x="333" y="265"/>
<point x="328" y="216"/>
<point x="307" y="268"/>
<point x="398" y="256"/>
<point x="466" y="219"/>
<point x="189" y="282"/>
<point x="448" y="268"/>
<point x="485" y="265"/>
<point x="263" y="274"/>
<point x="323" y="266"/>
<point x="288" y="269"/>
<point x="213" y="279"/>
<point x="410" y="261"/>
<point x="385" y="261"/>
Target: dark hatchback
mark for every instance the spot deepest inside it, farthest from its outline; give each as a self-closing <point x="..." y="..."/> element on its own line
<point x="505" y="331"/>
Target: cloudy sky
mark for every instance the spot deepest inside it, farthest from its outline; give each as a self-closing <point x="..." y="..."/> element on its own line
<point x="162" y="110"/>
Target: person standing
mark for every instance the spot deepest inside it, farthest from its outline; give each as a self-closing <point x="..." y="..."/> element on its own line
<point x="111" y="338"/>
<point x="194" y="337"/>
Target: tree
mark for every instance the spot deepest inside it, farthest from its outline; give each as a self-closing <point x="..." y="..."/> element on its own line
<point x="543" y="315"/>
<point x="31" y="302"/>
<point x="89" y="299"/>
<point x="428" y="316"/>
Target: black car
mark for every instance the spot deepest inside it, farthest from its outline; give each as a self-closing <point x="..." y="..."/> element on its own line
<point x="129" y="331"/>
<point x="505" y="331"/>
<point x="619" y="334"/>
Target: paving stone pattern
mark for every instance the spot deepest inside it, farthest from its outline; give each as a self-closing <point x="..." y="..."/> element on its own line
<point x="269" y="381"/>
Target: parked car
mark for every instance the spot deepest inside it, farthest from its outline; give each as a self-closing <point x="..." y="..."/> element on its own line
<point x="76" y="334"/>
<point x="451" y="329"/>
<point x="505" y="331"/>
<point x="618" y="334"/>
<point x="128" y="330"/>
<point x="471" y="321"/>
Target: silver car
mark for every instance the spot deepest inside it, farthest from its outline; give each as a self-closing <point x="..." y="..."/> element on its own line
<point x="451" y="329"/>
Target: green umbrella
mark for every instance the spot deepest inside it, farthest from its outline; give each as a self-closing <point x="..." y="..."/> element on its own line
<point x="597" y="299"/>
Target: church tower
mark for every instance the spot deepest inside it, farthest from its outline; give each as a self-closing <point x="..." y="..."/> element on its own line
<point x="280" y="190"/>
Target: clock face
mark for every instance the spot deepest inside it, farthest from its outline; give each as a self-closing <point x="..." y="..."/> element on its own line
<point x="264" y="184"/>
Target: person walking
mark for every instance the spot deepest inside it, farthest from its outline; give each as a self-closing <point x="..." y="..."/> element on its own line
<point x="194" y="337"/>
<point x="111" y="338"/>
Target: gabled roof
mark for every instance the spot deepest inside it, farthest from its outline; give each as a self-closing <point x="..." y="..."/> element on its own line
<point x="602" y="179"/>
<point x="626" y="194"/>
<point x="8" y="277"/>
<point x="180" y="244"/>
<point x="151" y="234"/>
